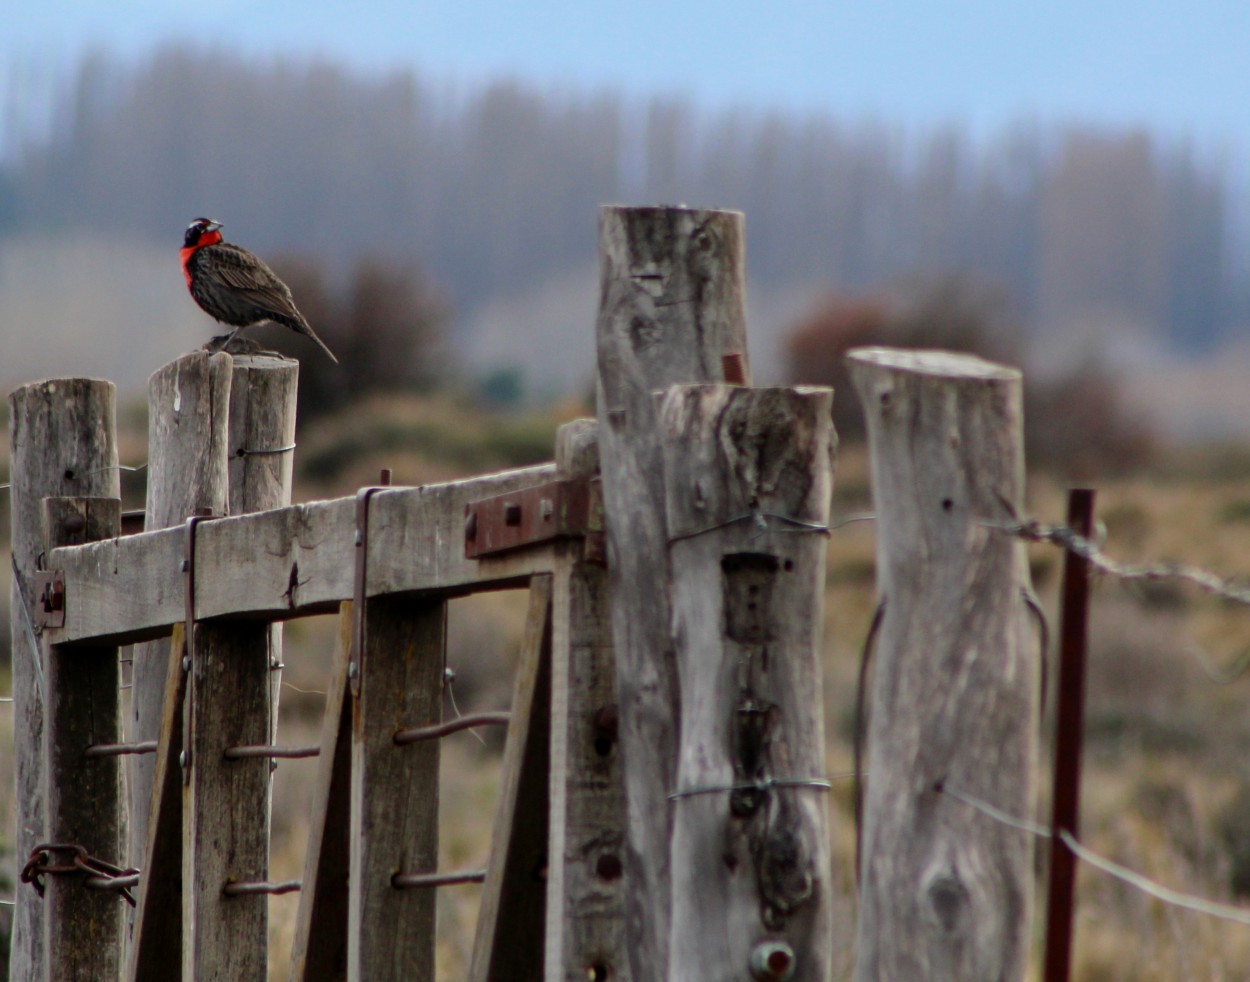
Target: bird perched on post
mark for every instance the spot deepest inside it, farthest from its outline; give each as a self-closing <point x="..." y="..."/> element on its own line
<point x="236" y="287"/>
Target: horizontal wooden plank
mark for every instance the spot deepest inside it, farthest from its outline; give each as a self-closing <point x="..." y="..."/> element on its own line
<point x="288" y="562"/>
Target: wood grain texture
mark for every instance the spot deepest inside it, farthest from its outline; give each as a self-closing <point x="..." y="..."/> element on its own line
<point x="585" y="872"/>
<point x="946" y="891"/>
<point x="509" y="942"/>
<point x="290" y="562"/>
<point x="748" y="480"/>
<point x="62" y="439"/>
<point x="671" y="305"/>
<point x="84" y="796"/>
<point x="394" y="791"/>
<point x="188" y="420"/>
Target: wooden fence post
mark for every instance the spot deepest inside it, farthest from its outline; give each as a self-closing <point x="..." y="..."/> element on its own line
<point x="188" y="403"/>
<point x="226" y="812"/>
<point x="63" y="442"/>
<point x="671" y="307"/>
<point x="748" y="480"/>
<point x="945" y="890"/>
<point x="585" y="890"/>
<point x="85" y="805"/>
<point x="261" y="459"/>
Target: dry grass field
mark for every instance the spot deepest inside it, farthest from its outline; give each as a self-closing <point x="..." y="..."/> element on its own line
<point x="1167" y="763"/>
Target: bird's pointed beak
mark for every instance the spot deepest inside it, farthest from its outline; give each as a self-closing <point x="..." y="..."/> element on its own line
<point x="213" y="226"/>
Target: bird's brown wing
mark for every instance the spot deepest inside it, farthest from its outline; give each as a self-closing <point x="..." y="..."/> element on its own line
<point x="242" y="271"/>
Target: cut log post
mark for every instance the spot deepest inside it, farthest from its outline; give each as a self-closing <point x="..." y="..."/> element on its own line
<point x="188" y="402"/>
<point x="262" y="460"/>
<point x="748" y="479"/>
<point x="946" y="890"/>
<point x="671" y="308"/>
<point x="585" y="885"/>
<point x="63" y="441"/>
<point x="85" y="804"/>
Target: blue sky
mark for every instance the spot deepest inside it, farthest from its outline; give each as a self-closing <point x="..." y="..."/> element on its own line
<point x="1181" y="68"/>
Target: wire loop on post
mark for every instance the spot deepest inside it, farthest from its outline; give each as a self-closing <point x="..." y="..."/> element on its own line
<point x="418" y="881"/>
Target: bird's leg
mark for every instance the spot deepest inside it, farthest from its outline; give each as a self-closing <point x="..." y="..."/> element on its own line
<point x="229" y="337"/>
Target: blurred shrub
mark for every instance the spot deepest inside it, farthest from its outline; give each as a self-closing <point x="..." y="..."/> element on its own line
<point x="385" y="324"/>
<point x="1077" y="423"/>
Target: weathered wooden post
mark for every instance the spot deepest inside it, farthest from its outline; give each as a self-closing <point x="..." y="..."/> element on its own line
<point x="188" y="416"/>
<point x="585" y="893"/>
<point x="748" y="477"/>
<point x="671" y="307"/>
<point x="946" y="890"/>
<point x="84" y="799"/>
<point x="226" y="806"/>
<point x="63" y="442"/>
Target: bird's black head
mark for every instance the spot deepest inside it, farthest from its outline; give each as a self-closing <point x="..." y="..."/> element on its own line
<point x="201" y="231"/>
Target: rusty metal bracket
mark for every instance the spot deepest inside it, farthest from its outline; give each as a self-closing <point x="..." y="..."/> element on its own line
<point x="49" y="598"/>
<point x="531" y="516"/>
<point x="188" y="692"/>
<point x="360" y="588"/>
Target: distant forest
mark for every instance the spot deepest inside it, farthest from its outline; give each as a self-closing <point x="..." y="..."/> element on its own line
<point x="495" y="188"/>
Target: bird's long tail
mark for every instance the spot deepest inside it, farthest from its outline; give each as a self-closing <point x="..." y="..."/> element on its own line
<point x="308" y="332"/>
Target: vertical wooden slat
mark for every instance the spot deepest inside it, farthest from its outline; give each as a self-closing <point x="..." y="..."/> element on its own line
<point x="394" y="790"/>
<point x="156" y="942"/>
<point x="319" y="952"/>
<point x="84" y="793"/>
<point x="508" y="946"/>
<point x="585" y="879"/>
<point x="226" y="805"/>
<point x="63" y="442"/>
<point x="672" y="305"/>
<point x="748" y="476"/>
<point x="946" y="891"/>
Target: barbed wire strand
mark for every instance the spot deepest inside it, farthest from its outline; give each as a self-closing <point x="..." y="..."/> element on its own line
<point x="1032" y="530"/>
<point x="1176" y="898"/>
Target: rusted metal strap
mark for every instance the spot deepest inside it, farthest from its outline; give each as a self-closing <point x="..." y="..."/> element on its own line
<point x="122" y="749"/>
<point x="188" y="697"/>
<point x="246" y="752"/>
<point x="531" y="516"/>
<point x="360" y="588"/>
<point x="49" y="598"/>
<point x="419" y="733"/>
<point x="417" y="881"/>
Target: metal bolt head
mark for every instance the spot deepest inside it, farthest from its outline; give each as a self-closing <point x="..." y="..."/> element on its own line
<point x="182" y="758"/>
<point x="772" y="960"/>
<point x="352" y="670"/>
<point x="186" y="663"/>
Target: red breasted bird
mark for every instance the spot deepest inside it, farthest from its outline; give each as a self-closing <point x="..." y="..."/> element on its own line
<point x="236" y="287"/>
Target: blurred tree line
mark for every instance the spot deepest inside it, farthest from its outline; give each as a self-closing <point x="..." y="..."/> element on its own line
<point x="494" y="188"/>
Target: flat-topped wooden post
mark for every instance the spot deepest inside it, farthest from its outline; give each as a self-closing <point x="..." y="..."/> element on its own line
<point x="188" y="419"/>
<point x="672" y="308"/>
<point x="946" y="890"/>
<point x="63" y="441"/>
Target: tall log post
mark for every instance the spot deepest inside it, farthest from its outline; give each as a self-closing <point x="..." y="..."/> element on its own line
<point x="748" y="478"/>
<point x="671" y="307"/>
<point x="945" y="890"/>
<point x="188" y="414"/>
<point x="63" y="440"/>
<point x="84" y="799"/>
